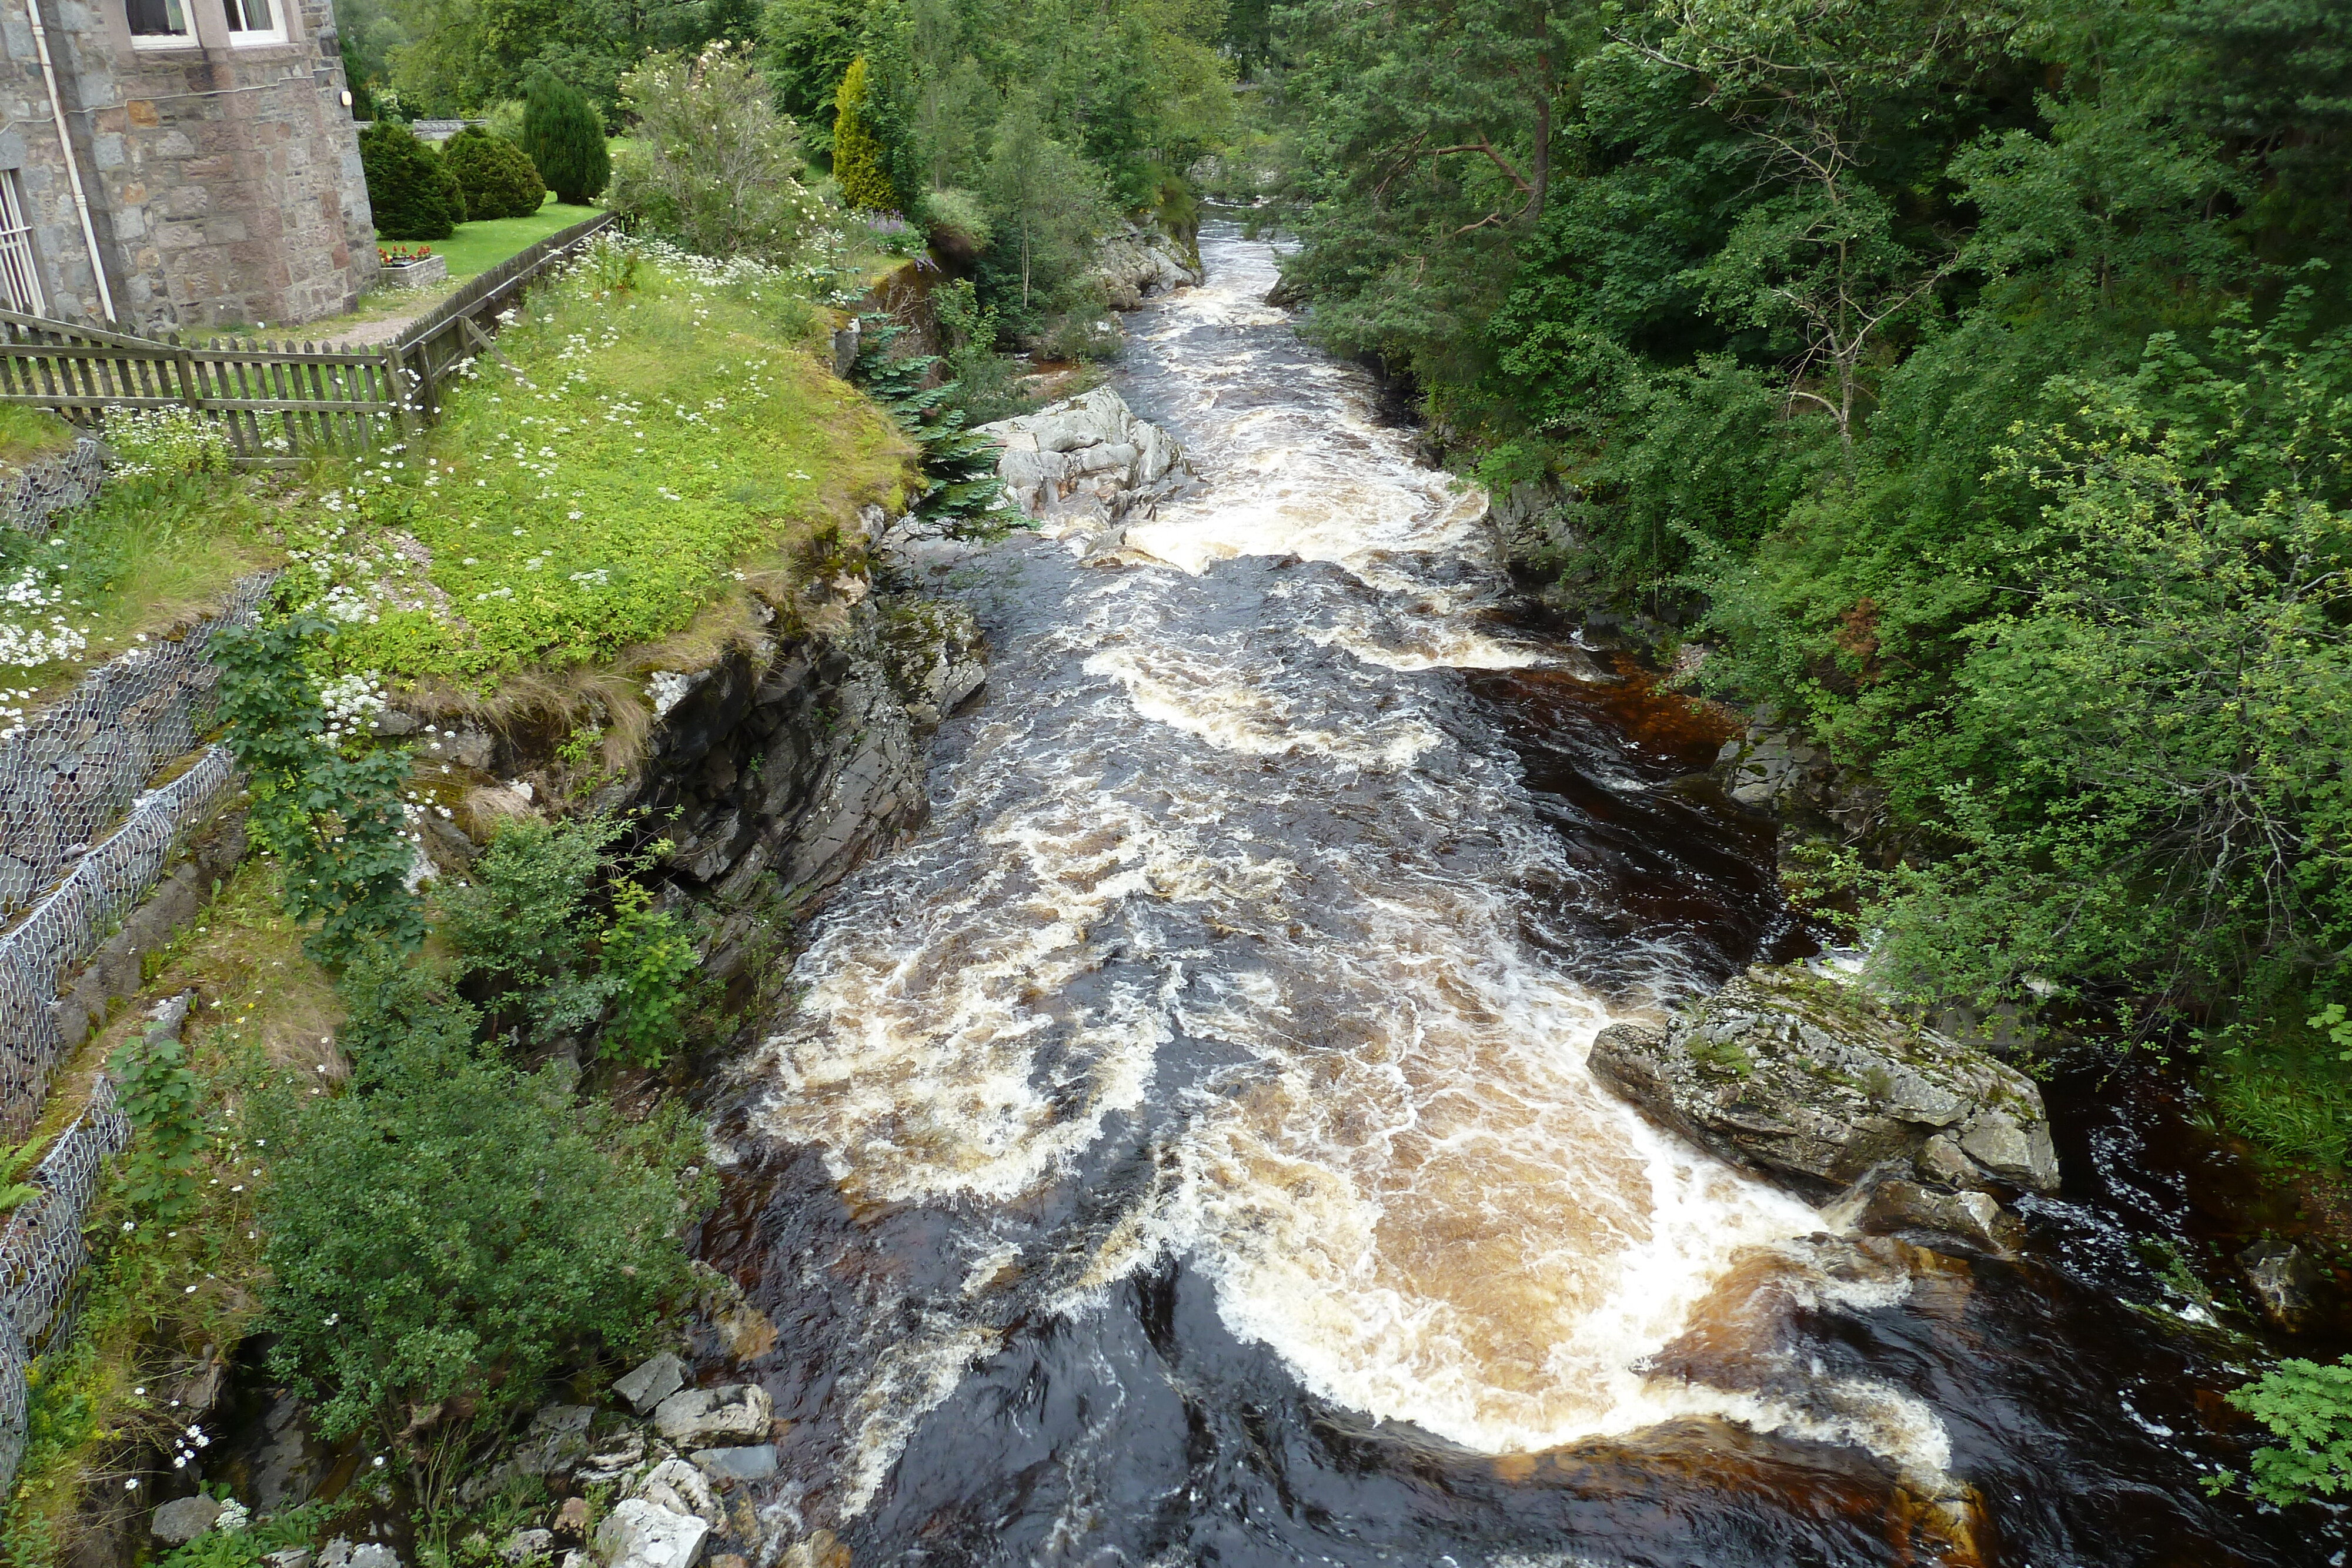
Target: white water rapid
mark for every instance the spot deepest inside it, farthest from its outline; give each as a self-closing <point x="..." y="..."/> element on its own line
<point x="1239" y="945"/>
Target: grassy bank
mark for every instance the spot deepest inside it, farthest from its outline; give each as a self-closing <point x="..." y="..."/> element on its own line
<point x="656" y="431"/>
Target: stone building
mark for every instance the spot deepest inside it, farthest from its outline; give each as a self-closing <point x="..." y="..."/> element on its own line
<point x="179" y="163"/>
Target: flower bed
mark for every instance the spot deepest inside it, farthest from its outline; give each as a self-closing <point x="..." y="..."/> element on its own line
<point x="410" y="267"/>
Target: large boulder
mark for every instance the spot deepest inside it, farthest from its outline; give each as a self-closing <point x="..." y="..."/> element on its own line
<point x="1817" y="1083"/>
<point x="1086" y="460"/>
<point x="716" y="1418"/>
<point x="1140" y="262"/>
<point x="642" y="1534"/>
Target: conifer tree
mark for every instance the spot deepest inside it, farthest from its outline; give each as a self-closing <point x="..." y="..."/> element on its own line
<point x="859" y="164"/>
<point x="564" y="139"/>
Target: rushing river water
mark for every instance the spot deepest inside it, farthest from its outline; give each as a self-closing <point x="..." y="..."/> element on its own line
<point x="1184" y="1151"/>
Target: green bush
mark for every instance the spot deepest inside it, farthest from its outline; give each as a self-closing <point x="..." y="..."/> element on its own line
<point x="2310" y="1407"/>
<point x="162" y="1099"/>
<point x="860" y="163"/>
<point x="497" y="177"/>
<point x="326" y="799"/>
<point x="563" y="136"/>
<point x="530" y="930"/>
<point x="412" y="196"/>
<point x="452" y="1228"/>
<point x="712" y="165"/>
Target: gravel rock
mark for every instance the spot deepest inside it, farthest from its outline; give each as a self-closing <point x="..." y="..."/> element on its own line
<point x="652" y="1381"/>
<point x="184" y="1519"/>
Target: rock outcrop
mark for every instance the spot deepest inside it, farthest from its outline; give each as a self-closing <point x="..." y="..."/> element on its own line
<point x="1140" y="262"/>
<point x="1817" y="1084"/>
<point x="1770" y="767"/>
<point x="1087" y="462"/>
<point x="789" y="759"/>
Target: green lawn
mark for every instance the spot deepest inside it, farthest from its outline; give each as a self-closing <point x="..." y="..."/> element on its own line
<point x="477" y="247"/>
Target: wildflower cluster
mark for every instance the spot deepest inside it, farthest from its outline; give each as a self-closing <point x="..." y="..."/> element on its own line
<point x="34" y="631"/>
<point x="600" y="485"/>
<point x="164" y="440"/>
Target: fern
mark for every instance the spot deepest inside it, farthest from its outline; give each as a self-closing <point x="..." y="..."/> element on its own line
<point x="962" y="492"/>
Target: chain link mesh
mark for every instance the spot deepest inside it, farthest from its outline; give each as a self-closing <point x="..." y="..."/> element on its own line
<point x="68" y="770"/>
<point x="42" y="1251"/>
<point x="67" y="927"/>
<point x="41" y="490"/>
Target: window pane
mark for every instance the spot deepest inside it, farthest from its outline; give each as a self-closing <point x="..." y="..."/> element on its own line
<point x="158" y="18"/>
<point x="249" y="15"/>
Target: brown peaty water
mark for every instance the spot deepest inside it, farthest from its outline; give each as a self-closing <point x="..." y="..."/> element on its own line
<point x="1183" y="1152"/>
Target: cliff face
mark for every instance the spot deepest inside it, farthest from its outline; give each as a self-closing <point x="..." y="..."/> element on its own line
<point x="772" y="771"/>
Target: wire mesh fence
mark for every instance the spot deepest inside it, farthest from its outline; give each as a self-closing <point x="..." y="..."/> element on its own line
<point x="70" y="770"/>
<point x="42" y="1253"/>
<point x="66" y="927"/>
<point x="41" y="490"/>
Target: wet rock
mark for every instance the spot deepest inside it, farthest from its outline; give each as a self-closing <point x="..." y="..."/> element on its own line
<point x="1085" y="463"/>
<point x="642" y="1534"/>
<point x="1772" y="767"/>
<point x="651" y="1382"/>
<point x="756" y="1462"/>
<point x="1971" y="1217"/>
<point x="1817" y="1083"/>
<point x="716" y="1418"/>
<point x="2283" y="1279"/>
<point x="184" y="1519"/>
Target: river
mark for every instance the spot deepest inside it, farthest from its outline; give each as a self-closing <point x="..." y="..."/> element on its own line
<point x="1182" y="1152"/>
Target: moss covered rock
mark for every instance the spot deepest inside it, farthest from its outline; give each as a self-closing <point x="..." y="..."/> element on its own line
<point x="1820" y="1085"/>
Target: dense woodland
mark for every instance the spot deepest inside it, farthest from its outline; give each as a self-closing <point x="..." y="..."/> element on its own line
<point x="1974" y="380"/>
<point x="1970" y="379"/>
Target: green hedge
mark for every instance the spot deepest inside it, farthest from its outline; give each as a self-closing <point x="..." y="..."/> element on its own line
<point x="499" y="179"/>
<point x="413" y="195"/>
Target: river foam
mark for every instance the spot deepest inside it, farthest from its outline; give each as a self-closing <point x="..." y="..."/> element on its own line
<point x="1220" y="873"/>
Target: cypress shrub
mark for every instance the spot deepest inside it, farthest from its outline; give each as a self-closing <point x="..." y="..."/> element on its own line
<point x="413" y="196"/>
<point x="564" y="138"/>
<point x="497" y="177"/>
<point x="860" y="166"/>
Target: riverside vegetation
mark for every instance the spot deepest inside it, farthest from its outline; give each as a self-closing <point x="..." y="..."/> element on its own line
<point x="419" y="1136"/>
<point x="1974" y="383"/>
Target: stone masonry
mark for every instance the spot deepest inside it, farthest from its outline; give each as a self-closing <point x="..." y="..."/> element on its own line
<point x="222" y="177"/>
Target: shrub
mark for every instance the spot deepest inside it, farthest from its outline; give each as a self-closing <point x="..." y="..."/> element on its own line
<point x="411" y="193"/>
<point x="162" y="1099"/>
<point x="529" y="926"/>
<point x="713" y="165"/>
<point x="564" y="139"/>
<point x="452" y="1228"/>
<point x="958" y="223"/>
<point x="166" y="441"/>
<point x="325" y="801"/>
<point x="497" y="177"/>
<point x="2309" y="1405"/>
<point x="860" y="163"/>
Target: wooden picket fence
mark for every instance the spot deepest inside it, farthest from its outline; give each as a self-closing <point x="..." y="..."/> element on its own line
<point x="279" y="403"/>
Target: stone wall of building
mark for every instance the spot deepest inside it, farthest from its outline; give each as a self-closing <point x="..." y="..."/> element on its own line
<point x="224" y="179"/>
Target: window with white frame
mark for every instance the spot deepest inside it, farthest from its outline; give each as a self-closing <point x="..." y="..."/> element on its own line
<point x="160" y="23"/>
<point x="256" y="21"/>
<point x="20" y="274"/>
